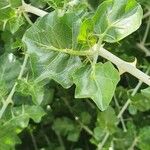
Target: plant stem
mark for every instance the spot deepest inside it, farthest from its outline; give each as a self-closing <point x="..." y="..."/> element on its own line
<point x="33" y="10"/>
<point x="146" y="32"/>
<point x="9" y="98"/>
<point x="100" y="145"/>
<point x="121" y="118"/>
<point x="146" y="15"/>
<point x="125" y="66"/>
<point x="33" y="140"/>
<point x="143" y="48"/>
<point x="133" y="144"/>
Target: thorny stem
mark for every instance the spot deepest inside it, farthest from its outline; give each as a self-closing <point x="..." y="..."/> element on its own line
<point x="9" y="98"/>
<point x="125" y="66"/>
<point x="122" y="65"/>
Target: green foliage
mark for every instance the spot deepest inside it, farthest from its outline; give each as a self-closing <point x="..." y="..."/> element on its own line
<point x="116" y="19"/>
<point x="56" y="92"/>
<point x="93" y="83"/>
<point x="15" y="122"/>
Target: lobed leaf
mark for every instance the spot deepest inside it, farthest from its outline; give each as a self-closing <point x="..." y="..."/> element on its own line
<point x="45" y="40"/>
<point x="98" y="84"/>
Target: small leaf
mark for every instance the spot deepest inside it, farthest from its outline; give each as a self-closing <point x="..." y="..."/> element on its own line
<point x="146" y="92"/>
<point x="114" y="20"/>
<point x="141" y="102"/>
<point x="144" y="138"/>
<point x="66" y="127"/>
<point x="30" y="88"/>
<point x="103" y="120"/>
<point x="98" y="84"/>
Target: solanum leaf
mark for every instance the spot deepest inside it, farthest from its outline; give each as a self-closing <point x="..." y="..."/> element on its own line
<point x="104" y="125"/>
<point x="144" y="138"/>
<point x="98" y="84"/>
<point x="141" y="101"/>
<point x="9" y="70"/>
<point x="47" y="36"/>
<point x="116" y="19"/>
<point x="103" y="120"/>
<point x="15" y="123"/>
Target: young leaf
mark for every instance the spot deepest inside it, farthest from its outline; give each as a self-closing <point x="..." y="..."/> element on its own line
<point x="98" y="84"/>
<point x="116" y="19"/>
<point x="46" y="39"/>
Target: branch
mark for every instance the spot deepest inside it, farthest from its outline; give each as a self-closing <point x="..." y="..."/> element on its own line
<point x="125" y="66"/>
<point x="121" y="64"/>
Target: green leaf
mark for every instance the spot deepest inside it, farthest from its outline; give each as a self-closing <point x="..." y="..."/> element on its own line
<point x="66" y="127"/>
<point x="98" y="84"/>
<point x="15" y="23"/>
<point x="30" y="88"/>
<point x="45" y="40"/>
<point x="124" y="140"/>
<point x="103" y="120"/>
<point x="141" y="101"/>
<point x="9" y="71"/>
<point x="7" y="9"/>
<point x="116" y="19"/>
<point x="146" y="92"/>
<point x="16" y="122"/>
<point x="144" y="138"/>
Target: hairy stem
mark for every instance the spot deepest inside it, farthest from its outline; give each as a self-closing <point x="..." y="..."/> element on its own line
<point x="9" y="98"/>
